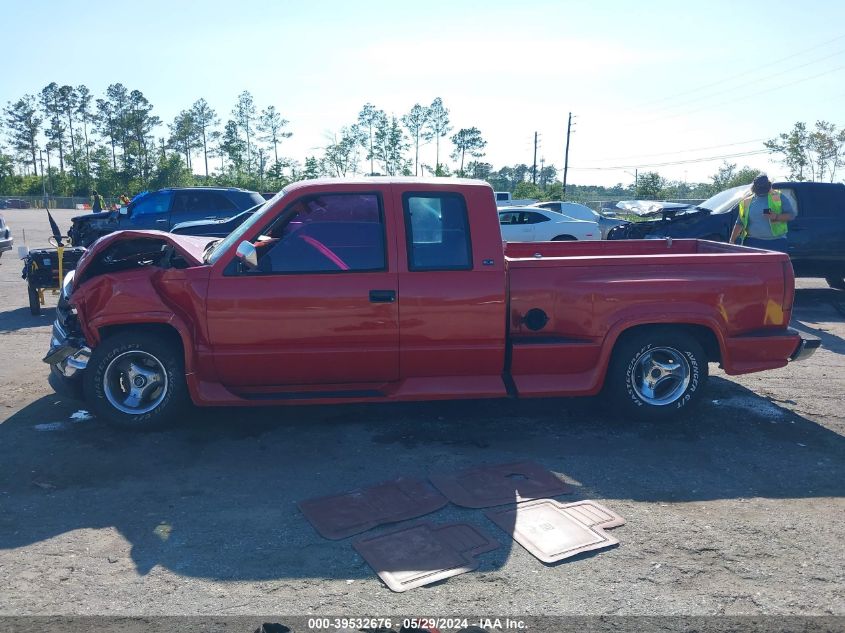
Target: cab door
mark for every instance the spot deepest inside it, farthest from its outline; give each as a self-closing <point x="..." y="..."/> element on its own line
<point x="451" y="290"/>
<point x="150" y="212"/>
<point x="320" y="310"/>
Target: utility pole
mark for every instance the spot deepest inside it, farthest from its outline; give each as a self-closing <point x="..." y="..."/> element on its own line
<point x="534" y="166"/>
<point x="566" y="157"/>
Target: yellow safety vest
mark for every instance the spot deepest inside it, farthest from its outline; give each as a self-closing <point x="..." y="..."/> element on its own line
<point x="778" y="228"/>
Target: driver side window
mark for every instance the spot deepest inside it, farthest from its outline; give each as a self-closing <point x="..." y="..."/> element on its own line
<point x="152" y="204"/>
<point x="326" y="234"/>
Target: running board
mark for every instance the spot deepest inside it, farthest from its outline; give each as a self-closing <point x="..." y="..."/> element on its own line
<point x="312" y="395"/>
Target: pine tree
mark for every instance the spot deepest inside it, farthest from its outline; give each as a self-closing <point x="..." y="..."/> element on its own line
<point x="437" y="127"/>
<point x="24" y="124"/>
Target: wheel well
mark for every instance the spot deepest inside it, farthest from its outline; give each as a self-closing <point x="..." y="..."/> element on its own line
<point x="701" y="333"/>
<point x="159" y="329"/>
<point x="564" y="238"/>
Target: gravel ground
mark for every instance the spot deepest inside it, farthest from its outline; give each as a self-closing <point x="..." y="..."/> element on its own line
<point x="735" y="509"/>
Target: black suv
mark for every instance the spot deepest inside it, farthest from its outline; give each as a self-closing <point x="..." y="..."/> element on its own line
<point x="162" y="210"/>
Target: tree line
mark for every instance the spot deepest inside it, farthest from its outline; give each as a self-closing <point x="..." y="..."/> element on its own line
<point x="72" y="141"/>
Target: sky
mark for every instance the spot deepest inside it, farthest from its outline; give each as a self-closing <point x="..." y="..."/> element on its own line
<point x="648" y="83"/>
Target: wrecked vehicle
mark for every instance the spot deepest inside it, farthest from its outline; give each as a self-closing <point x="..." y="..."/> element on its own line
<point x="816" y="237"/>
<point x="162" y="210"/>
<point x="713" y="219"/>
<point x="397" y="289"/>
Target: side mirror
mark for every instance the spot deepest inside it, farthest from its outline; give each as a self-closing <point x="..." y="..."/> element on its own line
<point x="123" y="210"/>
<point x="247" y="254"/>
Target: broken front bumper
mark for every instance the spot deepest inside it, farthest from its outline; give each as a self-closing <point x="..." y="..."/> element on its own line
<point x="67" y="354"/>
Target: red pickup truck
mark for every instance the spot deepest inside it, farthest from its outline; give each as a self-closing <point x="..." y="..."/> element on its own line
<point x="401" y="289"/>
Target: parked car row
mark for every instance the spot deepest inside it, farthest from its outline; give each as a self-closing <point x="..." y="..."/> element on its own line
<point x="15" y="203"/>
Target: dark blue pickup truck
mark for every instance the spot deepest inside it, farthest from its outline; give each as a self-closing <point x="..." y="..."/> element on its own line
<point x="163" y="210"/>
<point x="816" y="238"/>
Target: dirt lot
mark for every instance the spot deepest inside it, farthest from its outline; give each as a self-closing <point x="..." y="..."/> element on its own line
<point x="736" y="509"/>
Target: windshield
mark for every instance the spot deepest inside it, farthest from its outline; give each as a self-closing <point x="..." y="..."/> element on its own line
<point x="725" y="200"/>
<point x="239" y="232"/>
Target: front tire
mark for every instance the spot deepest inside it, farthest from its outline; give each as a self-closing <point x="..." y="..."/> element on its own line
<point x="136" y="381"/>
<point x="836" y="282"/>
<point x="657" y="373"/>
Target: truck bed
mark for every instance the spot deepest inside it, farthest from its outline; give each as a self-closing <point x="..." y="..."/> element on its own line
<point x="518" y="252"/>
<point x="583" y="294"/>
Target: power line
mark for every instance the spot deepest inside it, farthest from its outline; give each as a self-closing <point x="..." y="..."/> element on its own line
<point x="679" y="162"/>
<point x="744" y="98"/>
<point x="742" y="74"/>
<point x="780" y="73"/>
<point x="684" y="151"/>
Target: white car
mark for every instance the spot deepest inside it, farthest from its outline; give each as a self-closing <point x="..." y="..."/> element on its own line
<point x="582" y="212"/>
<point x="532" y="224"/>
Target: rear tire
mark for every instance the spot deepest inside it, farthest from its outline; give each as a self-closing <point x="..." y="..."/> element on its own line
<point x="564" y="238"/>
<point x="656" y="373"/>
<point x="34" y="300"/>
<point x="836" y="282"/>
<point x="136" y="381"/>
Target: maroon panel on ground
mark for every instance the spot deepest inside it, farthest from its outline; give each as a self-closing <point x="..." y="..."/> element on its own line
<point x="424" y="553"/>
<point x="552" y="531"/>
<point x="499" y="484"/>
<point x="339" y="516"/>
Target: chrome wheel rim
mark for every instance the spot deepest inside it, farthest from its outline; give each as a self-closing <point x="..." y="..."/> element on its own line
<point x="135" y="382"/>
<point x="661" y="376"/>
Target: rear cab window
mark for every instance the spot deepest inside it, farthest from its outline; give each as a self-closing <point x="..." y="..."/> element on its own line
<point x="437" y="231"/>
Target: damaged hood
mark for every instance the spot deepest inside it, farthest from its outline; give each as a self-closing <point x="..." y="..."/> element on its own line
<point x="88" y="217"/>
<point x="649" y="207"/>
<point x="188" y="247"/>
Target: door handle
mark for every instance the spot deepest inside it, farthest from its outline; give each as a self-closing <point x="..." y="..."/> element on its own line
<point x="382" y="296"/>
<point x="161" y="221"/>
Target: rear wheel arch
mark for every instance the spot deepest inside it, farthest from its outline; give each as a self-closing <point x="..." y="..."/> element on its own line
<point x="656" y="370"/>
<point x="564" y="238"/>
<point x="705" y="336"/>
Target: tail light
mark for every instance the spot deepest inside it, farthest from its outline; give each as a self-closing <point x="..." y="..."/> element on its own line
<point x="788" y="289"/>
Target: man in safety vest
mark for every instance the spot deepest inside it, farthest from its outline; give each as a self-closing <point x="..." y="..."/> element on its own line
<point x="763" y="217"/>
<point x="98" y="203"/>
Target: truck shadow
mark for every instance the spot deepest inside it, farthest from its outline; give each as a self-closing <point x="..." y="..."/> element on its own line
<point x="22" y="319"/>
<point x="815" y="307"/>
<point x="217" y="497"/>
